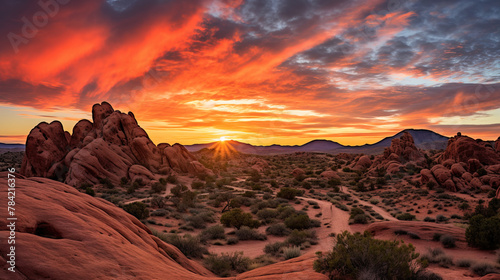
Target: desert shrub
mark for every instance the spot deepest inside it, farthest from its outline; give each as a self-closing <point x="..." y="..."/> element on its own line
<point x="178" y="190"/>
<point x="483" y="268"/>
<point x="137" y="209"/>
<point x="249" y="194"/>
<point x="172" y="179"/>
<point x="355" y="211"/>
<point x="246" y="233"/>
<point x="274" y="249"/>
<point x="189" y="245"/>
<point x="223" y="264"/>
<point x="212" y="233"/>
<point x="360" y="219"/>
<point x="232" y="240"/>
<point x="106" y="182"/>
<point x="334" y="182"/>
<point x="483" y="232"/>
<point x="158" y="201"/>
<point x="123" y="181"/>
<point x="413" y="235"/>
<point x="358" y="254"/>
<point x="430" y="185"/>
<point x="90" y="191"/>
<point x="374" y="201"/>
<point x="278" y="229"/>
<point x="429" y="219"/>
<point x="427" y="275"/>
<point x="400" y="232"/>
<point x="291" y="252"/>
<point x="464" y="263"/>
<point x="289" y="193"/>
<point x="405" y="217"/>
<point x="436" y="236"/>
<point x="196" y="185"/>
<point x="448" y="241"/>
<point x="441" y="218"/>
<point x="444" y="261"/>
<point x="297" y="237"/>
<point x="267" y="215"/>
<point x="298" y="221"/>
<point x="237" y="218"/>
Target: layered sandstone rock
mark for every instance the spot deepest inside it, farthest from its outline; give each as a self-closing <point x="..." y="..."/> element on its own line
<point x="105" y="148"/>
<point x="64" y="234"/>
<point x="463" y="148"/>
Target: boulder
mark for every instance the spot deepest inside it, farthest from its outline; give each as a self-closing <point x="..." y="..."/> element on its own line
<point x="330" y="174"/>
<point x="362" y="163"/>
<point x="463" y="148"/>
<point x="457" y="170"/>
<point x="106" y="148"/>
<point x="404" y="148"/>
<point x="298" y="172"/>
<point x="140" y="172"/>
<point x="441" y="173"/>
<point x="46" y="145"/>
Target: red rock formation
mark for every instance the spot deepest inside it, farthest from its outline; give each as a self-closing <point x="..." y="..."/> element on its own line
<point x="497" y="145"/>
<point x="64" y="234"/>
<point x="330" y="174"/>
<point x="404" y="148"/>
<point x="362" y="163"/>
<point x="104" y="148"/>
<point x="463" y="148"/>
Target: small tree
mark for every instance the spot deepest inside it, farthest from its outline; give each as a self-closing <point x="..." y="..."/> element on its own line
<point x="355" y="255"/>
<point x="289" y="193"/>
<point x="237" y="218"/>
<point x="137" y="209"/>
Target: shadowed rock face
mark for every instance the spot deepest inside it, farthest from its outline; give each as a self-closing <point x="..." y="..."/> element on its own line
<point x="104" y="148"/>
<point x="458" y="166"/>
<point x="64" y="234"/>
<point x="463" y="148"/>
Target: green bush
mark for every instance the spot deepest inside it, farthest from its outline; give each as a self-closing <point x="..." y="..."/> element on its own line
<point x="196" y="185"/>
<point x="225" y="263"/>
<point x="246" y="233"/>
<point x="358" y="254"/>
<point x="355" y="211"/>
<point x="298" y="221"/>
<point x="448" y="241"/>
<point x="158" y="187"/>
<point x="464" y="263"/>
<point x="289" y="193"/>
<point x="137" y="209"/>
<point x="232" y="240"/>
<point x="189" y="245"/>
<point x="237" y="218"/>
<point x="291" y="252"/>
<point x="278" y="229"/>
<point x="483" y="232"/>
<point x="297" y="237"/>
<point x="405" y="217"/>
<point x="482" y="268"/>
<point x="360" y="219"/>
<point x="274" y="249"/>
<point x="267" y="215"/>
<point x="172" y="179"/>
<point x="90" y="191"/>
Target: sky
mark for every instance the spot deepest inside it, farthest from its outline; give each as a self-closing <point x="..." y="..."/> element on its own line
<point x="256" y="71"/>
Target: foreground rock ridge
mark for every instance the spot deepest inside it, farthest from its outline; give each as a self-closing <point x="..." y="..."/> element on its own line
<point x="112" y="146"/>
<point x="64" y="234"/>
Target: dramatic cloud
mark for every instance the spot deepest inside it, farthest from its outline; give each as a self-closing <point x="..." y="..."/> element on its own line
<point x="259" y="71"/>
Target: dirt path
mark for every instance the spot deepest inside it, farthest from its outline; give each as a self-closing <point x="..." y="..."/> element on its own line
<point x="375" y="208"/>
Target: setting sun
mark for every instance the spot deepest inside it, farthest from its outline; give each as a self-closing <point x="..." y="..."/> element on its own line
<point x="223" y="138"/>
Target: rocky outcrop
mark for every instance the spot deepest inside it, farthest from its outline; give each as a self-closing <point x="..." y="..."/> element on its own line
<point x="463" y="148"/>
<point x="465" y="164"/>
<point x="64" y="234"/>
<point x="105" y="148"/>
<point x="330" y="174"/>
<point x="400" y="156"/>
<point x="404" y="148"/>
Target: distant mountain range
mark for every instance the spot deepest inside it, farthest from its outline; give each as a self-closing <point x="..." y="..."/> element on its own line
<point x="11" y="148"/>
<point x="424" y="139"/>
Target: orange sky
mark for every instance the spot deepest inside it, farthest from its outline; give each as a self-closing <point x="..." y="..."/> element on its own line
<point x="261" y="72"/>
